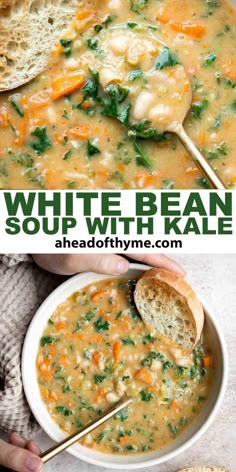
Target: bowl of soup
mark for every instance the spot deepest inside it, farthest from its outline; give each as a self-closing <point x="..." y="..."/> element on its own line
<point x="61" y="132"/>
<point x="87" y="346"/>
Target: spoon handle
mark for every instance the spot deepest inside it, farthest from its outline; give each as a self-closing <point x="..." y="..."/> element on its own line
<point x="200" y="161"/>
<point x="65" y="443"/>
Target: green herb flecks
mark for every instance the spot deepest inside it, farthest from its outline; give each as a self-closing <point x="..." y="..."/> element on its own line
<point x="43" y="142"/>
<point x="166" y="58"/>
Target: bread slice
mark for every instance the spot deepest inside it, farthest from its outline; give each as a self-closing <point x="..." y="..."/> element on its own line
<point x="28" y="29"/>
<point x="204" y="469"/>
<point x="168" y="304"/>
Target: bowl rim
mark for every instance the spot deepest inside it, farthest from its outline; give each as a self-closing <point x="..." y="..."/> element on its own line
<point x="99" y="462"/>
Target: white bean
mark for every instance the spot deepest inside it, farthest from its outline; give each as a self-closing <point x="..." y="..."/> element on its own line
<point x="111" y="397"/>
<point x="178" y="357"/>
<point x="107" y="76"/>
<point x="71" y="64"/>
<point x="114" y="4"/>
<point x="88" y="439"/>
<point x="156" y="365"/>
<point x="120" y="388"/>
<point x="78" y="358"/>
<point x="77" y="44"/>
<point x="159" y="113"/>
<point x="120" y="44"/>
<point x="182" y="362"/>
<point x="133" y="56"/>
<point x="142" y="105"/>
<point x="52" y="116"/>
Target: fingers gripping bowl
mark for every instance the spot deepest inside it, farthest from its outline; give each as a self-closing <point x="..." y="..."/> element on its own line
<point x="95" y="455"/>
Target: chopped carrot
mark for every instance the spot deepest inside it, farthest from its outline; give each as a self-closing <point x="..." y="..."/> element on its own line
<point x="39" y="99"/>
<point x="44" y="365"/>
<point x="84" y="15"/>
<point x="191" y="29"/>
<point x="153" y="389"/>
<point x="116" y="351"/>
<point x="123" y="439"/>
<point x="77" y="336"/>
<point x="143" y="375"/>
<point x="97" y="296"/>
<point x="58" y="138"/>
<point x="51" y="179"/>
<point x="100" y="395"/>
<point x="60" y="325"/>
<point x="97" y="339"/>
<point x="203" y="138"/>
<point x="96" y="356"/>
<point x="4" y="117"/>
<point x="103" y="174"/>
<point x="163" y="19"/>
<point x="79" y="132"/>
<point x="47" y="376"/>
<point x="114" y="307"/>
<point x="52" y="349"/>
<point x="44" y="393"/>
<point x="229" y="69"/>
<point x="52" y="396"/>
<point x="174" y="404"/>
<point x="86" y="104"/>
<point x="121" y="167"/>
<point x="126" y="326"/>
<point x="144" y="180"/>
<point x="64" y="360"/>
<point x="66" y="84"/>
<point x="207" y="361"/>
<point x="57" y="49"/>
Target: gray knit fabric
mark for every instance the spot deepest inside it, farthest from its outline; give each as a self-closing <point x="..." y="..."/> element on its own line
<point x="23" y="287"/>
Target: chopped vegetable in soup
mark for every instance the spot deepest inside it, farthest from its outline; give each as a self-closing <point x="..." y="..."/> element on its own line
<point x="95" y="349"/>
<point x="73" y="126"/>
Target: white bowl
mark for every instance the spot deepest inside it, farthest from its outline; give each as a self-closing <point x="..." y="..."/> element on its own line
<point x="41" y="414"/>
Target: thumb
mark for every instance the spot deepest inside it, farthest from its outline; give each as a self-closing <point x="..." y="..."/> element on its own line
<point x="102" y="264"/>
<point x="19" y="459"/>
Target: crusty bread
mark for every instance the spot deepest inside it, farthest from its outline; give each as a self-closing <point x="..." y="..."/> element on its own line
<point x="28" y="29"/>
<point x="204" y="469"/>
<point x="168" y="304"/>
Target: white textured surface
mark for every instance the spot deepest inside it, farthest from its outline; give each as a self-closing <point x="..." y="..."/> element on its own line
<point x="214" y="278"/>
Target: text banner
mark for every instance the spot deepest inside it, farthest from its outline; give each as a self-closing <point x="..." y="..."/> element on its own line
<point x="117" y="221"/>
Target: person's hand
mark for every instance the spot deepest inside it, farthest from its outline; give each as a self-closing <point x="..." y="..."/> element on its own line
<point x="20" y="455"/>
<point x="112" y="264"/>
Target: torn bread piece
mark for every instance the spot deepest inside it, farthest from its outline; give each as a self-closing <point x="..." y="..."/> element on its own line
<point x="28" y="30"/>
<point x="168" y="304"/>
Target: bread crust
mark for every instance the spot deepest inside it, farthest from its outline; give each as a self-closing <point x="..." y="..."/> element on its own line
<point x="179" y="285"/>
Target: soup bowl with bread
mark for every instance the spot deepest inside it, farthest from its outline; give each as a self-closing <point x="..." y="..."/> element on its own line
<point x="70" y="128"/>
<point x="87" y="347"/>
